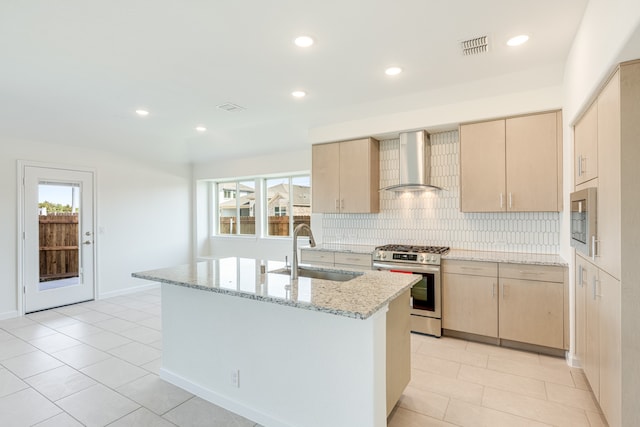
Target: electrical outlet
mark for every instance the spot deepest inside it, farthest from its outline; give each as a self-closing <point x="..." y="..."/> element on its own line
<point x="235" y="377"/>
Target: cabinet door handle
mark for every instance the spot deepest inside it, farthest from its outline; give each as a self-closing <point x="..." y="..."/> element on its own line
<point x="337" y="202"/>
<point x="341" y="204"/>
<point x="580" y="274"/>
<point x="595" y="247"/>
<point x="493" y="290"/>
<point x="580" y="165"/>
<point x="595" y="281"/>
<point x="501" y="201"/>
<point x="510" y="200"/>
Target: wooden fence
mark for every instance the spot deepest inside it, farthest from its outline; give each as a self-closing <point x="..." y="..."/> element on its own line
<point x="278" y="225"/>
<point x="58" y="246"/>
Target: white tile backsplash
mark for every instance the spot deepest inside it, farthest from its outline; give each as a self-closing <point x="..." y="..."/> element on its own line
<point x="434" y="218"/>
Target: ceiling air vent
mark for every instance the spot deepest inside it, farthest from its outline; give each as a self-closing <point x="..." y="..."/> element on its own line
<point x="230" y="107"/>
<point x="475" y="46"/>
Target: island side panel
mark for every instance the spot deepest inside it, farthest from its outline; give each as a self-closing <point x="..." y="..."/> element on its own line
<point x="296" y="367"/>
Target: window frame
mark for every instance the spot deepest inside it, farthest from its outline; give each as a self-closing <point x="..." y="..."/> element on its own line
<point x="289" y="208"/>
<point x="261" y="205"/>
<point x="215" y="190"/>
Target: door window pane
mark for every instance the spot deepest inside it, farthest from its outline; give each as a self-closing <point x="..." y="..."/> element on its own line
<point x="58" y="234"/>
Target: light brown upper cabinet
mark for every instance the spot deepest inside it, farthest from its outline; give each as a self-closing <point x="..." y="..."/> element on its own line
<point x="586" y="146"/>
<point x="610" y="123"/>
<point x="345" y="177"/>
<point x="512" y="164"/>
<point x="482" y="159"/>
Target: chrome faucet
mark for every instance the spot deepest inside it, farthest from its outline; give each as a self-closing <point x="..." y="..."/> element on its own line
<point x="312" y="242"/>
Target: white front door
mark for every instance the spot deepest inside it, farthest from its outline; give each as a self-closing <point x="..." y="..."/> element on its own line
<point x="58" y="250"/>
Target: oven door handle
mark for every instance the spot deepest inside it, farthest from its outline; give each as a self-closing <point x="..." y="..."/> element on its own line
<point x="416" y="269"/>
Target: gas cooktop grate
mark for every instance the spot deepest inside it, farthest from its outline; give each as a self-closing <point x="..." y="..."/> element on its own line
<point x="414" y="249"/>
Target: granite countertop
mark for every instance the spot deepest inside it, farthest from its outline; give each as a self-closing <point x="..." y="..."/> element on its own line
<point x="358" y="298"/>
<point x="506" y="257"/>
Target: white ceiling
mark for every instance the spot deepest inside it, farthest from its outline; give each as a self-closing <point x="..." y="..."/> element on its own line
<point x="74" y="71"/>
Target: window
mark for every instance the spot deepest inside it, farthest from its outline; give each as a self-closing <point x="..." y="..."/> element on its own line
<point x="283" y="196"/>
<point x="236" y="207"/>
<point x="284" y="202"/>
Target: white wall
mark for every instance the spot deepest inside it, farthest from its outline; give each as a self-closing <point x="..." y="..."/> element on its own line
<point x="144" y="212"/>
<point x="474" y="101"/>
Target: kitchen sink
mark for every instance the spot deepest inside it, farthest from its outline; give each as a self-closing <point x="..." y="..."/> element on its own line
<point x="335" y="275"/>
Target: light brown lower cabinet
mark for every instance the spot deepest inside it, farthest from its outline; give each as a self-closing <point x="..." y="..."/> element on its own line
<point x="532" y="312"/>
<point x="398" y="348"/>
<point x="470" y="297"/>
<point x="515" y="302"/>
<point x="601" y="329"/>
<point x="335" y="258"/>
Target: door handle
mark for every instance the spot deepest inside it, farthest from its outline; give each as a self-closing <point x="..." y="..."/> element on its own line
<point x="87" y="242"/>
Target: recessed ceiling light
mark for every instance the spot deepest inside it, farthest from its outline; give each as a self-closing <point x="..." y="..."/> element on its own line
<point x="518" y="40"/>
<point x="393" y="71"/>
<point x="298" y="94"/>
<point x="142" y="113"/>
<point x="303" y="41"/>
<point x="201" y="128"/>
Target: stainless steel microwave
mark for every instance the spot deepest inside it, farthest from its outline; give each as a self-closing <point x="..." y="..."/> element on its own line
<point x="583" y="221"/>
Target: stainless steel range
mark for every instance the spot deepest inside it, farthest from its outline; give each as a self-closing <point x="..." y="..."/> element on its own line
<point x="426" y="312"/>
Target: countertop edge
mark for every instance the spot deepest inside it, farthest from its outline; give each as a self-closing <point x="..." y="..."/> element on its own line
<point x="506" y="257"/>
<point x="461" y="254"/>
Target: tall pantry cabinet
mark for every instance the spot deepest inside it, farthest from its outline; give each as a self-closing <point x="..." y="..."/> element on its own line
<point x="607" y="152"/>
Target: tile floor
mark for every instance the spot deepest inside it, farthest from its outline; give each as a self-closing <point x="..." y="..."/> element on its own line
<point x="97" y="363"/>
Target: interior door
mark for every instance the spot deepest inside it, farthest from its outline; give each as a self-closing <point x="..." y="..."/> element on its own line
<point x="58" y="251"/>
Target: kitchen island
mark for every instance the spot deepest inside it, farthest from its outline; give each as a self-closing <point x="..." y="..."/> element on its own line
<point x="309" y="352"/>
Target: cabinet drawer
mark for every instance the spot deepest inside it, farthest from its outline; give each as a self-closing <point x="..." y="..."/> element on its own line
<point x="545" y="273"/>
<point x="347" y="258"/>
<point x="316" y="257"/>
<point x="474" y="268"/>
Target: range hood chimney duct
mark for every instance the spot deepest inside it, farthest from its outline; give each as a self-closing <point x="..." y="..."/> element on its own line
<point x="414" y="163"/>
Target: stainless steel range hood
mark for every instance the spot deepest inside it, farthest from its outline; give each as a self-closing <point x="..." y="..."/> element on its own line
<point x="414" y="163"/>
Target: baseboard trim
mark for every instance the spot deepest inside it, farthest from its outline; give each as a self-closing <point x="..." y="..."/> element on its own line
<point x="127" y="291"/>
<point x="9" y="314"/>
<point x="220" y="400"/>
<point x="573" y="361"/>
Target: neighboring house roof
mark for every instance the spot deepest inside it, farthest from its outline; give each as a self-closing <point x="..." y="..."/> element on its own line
<point x="232" y="186"/>
<point x="278" y="195"/>
<point x="301" y="194"/>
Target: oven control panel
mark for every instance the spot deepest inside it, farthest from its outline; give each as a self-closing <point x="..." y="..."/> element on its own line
<point x="413" y="258"/>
